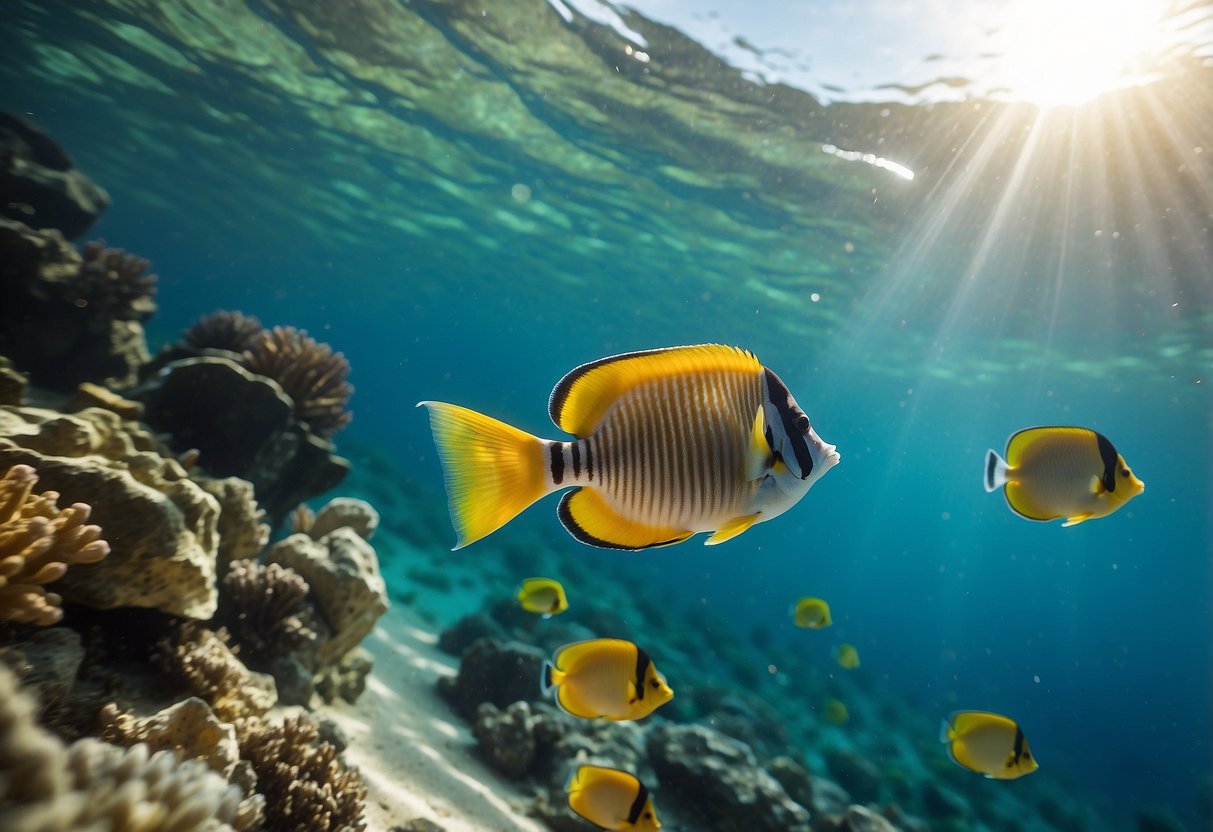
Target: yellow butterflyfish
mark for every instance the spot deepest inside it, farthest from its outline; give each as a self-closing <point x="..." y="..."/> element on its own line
<point x="988" y="743"/>
<point x="606" y="678"/>
<point x="544" y="596"/>
<point x="812" y="614"/>
<point x="612" y="799"/>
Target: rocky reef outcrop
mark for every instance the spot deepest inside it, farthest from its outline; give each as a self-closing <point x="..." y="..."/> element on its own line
<point x="133" y="535"/>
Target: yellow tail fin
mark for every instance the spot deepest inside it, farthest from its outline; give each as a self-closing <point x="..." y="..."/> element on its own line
<point x="493" y="471"/>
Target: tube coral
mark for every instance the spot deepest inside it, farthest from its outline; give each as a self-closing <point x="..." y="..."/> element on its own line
<point x="38" y="542"/>
<point x="315" y="377"/>
<point x="223" y="330"/>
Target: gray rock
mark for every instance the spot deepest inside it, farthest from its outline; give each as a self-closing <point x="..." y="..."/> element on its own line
<point x="863" y="819"/>
<point x="493" y="671"/>
<point x="507" y="738"/>
<point x="39" y="184"/>
<point x="717" y="781"/>
<point x="460" y="635"/>
<point x="346" y="679"/>
<point x="295" y="682"/>
<point x="342" y="571"/>
<point x="418" y="825"/>
<point x="346" y="512"/>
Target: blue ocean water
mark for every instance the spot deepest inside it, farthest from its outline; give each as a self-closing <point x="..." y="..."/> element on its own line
<point x="467" y="223"/>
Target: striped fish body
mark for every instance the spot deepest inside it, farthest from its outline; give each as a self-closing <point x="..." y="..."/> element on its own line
<point x="668" y="443"/>
<point x="669" y="454"/>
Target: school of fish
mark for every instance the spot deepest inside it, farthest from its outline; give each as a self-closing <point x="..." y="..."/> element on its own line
<point x="668" y="443"/>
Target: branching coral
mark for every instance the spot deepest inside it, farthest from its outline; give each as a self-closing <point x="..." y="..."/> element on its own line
<point x="116" y="282"/>
<point x="266" y="609"/>
<point x="201" y="661"/>
<point x="223" y="330"/>
<point x="38" y="541"/>
<point x="306" y="786"/>
<point x="315" y="377"/>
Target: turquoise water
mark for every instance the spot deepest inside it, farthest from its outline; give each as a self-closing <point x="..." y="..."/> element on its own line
<point x="468" y="206"/>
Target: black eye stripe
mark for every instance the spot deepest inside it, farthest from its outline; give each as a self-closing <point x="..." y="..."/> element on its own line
<point x="785" y="406"/>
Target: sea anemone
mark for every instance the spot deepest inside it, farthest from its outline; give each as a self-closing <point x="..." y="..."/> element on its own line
<point x="315" y="377"/>
<point x="223" y="330"/>
<point x="38" y="542"/>
<point x="116" y="282"/>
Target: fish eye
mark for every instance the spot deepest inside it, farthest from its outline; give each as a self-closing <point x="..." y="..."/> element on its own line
<point x="1124" y="472"/>
<point x="648" y="815"/>
<point x="802" y="423"/>
<point x="655" y="684"/>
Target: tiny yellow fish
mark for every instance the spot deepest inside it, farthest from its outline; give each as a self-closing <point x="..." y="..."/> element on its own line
<point x="988" y="744"/>
<point x="812" y="614"/>
<point x="612" y="799"/>
<point x="667" y="443"/>
<point x="1053" y="472"/>
<point x="605" y="678"/>
<point x="543" y="596"/>
<point x="847" y="656"/>
<point x="835" y="712"/>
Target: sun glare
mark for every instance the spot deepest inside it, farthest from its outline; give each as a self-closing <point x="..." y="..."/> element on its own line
<point x="1067" y="52"/>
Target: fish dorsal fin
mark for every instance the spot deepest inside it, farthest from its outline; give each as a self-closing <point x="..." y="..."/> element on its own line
<point x="731" y="529"/>
<point x="584" y="394"/>
<point x="1051" y="435"/>
<point x="759" y="456"/>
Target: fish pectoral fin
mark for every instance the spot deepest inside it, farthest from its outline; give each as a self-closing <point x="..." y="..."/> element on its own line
<point x="759" y="455"/>
<point x="1097" y="486"/>
<point x="1076" y="519"/>
<point x="732" y="528"/>
<point x="588" y="516"/>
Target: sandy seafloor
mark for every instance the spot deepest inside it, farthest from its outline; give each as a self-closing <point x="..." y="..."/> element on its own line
<point x="417" y="756"/>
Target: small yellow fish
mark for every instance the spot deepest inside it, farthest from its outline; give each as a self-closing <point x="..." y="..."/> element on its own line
<point x="612" y="799"/>
<point x="988" y="744"/>
<point x="667" y="443"/>
<point x="605" y="677"/>
<point x="544" y="596"/>
<point x="812" y="614"/>
<point x="1053" y="472"/>
<point x="847" y="656"/>
<point x="835" y="712"/>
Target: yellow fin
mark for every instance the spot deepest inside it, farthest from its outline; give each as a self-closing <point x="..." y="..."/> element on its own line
<point x="492" y="470"/>
<point x="584" y="394"/>
<point x="758" y="456"/>
<point x="731" y="529"/>
<point x="1076" y="519"/>
<point x="1097" y="486"/>
<point x="591" y="519"/>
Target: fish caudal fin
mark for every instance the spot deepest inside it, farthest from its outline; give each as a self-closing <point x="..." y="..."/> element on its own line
<point x="493" y="471"/>
<point x="995" y="471"/>
<point x="946" y="734"/>
<point x="549" y="678"/>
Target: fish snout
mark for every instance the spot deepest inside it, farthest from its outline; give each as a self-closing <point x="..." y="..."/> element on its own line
<point x="825" y="456"/>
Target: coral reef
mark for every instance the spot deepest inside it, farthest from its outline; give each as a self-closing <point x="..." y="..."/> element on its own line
<point x="223" y="330"/>
<point x="343" y="572"/>
<point x="315" y="377"/>
<point x="265" y="608"/>
<point x="41" y="186"/>
<point x="92" y="785"/>
<point x="242" y="534"/>
<point x="188" y="727"/>
<point x="49" y="326"/>
<point x="241" y="424"/>
<point x="305" y="784"/>
<point x="496" y="672"/>
<point x="345" y="512"/>
<point x="116" y="282"/>
<point x="161" y="526"/>
<point x="47" y="663"/>
<point x="38" y="542"/>
<point x="200" y="660"/>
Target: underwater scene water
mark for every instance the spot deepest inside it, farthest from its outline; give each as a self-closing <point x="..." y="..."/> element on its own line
<point x="468" y="200"/>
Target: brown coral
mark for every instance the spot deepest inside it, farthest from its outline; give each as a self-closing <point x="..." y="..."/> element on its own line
<point x="315" y="377"/>
<point x="200" y="660"/>
<point x="266" y="609"/>
<point x="115" y="282"/>
<point x="38" y="541"/>
<point x="223" y="330"/>
<point x="306" y="785"/>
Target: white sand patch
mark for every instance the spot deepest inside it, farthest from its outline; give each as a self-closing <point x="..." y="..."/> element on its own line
<point x="417" y="756"/>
